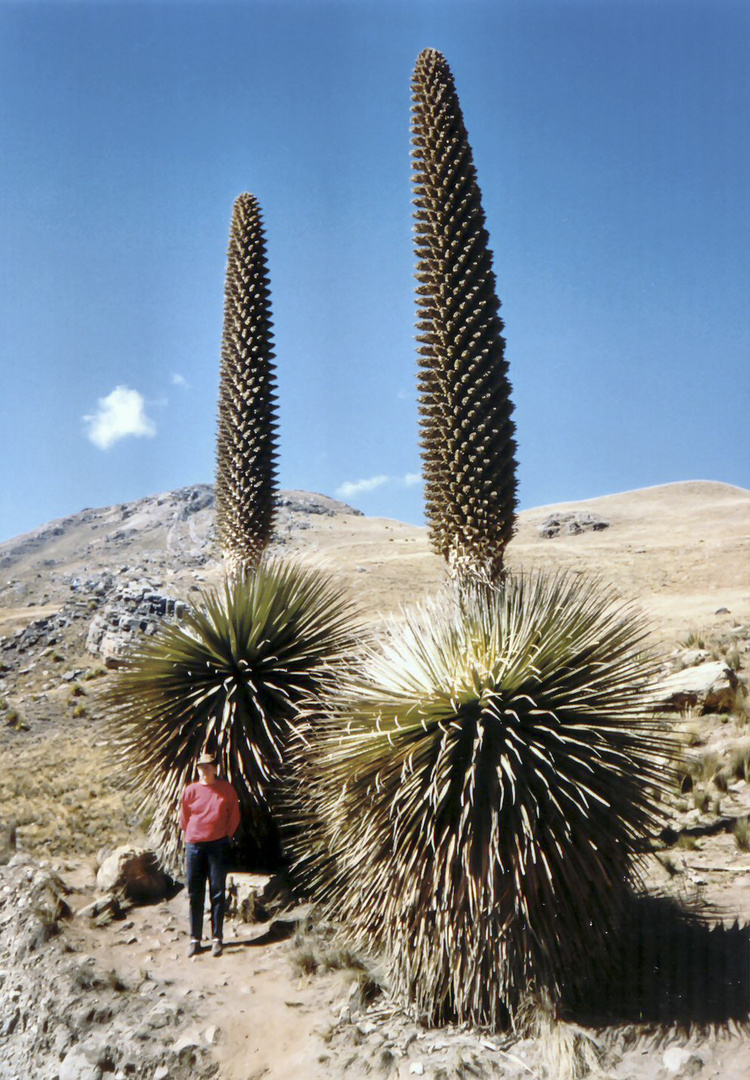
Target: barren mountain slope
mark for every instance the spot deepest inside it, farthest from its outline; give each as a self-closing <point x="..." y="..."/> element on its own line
<point x="682" y="550"/>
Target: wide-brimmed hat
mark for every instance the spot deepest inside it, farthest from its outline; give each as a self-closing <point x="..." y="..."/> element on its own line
<point x="206" y="759"/>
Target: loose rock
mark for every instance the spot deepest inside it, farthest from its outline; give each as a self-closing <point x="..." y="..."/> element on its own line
<point x="134" y="873"/>
<point x="682" y="1062"/>
<point x="711" y="687"/>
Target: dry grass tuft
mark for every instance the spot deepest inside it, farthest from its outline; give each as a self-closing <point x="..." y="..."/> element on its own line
<point x="567" y="1051"/>
<point x="742" y="833"/>
<point x="701" y="801"/>
<point x="65" y="797"/>
<point x="739" y="760"/>
<point x="319" y="950"/>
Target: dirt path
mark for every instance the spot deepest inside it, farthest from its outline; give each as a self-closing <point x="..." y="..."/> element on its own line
<point x="261" y="1019"/>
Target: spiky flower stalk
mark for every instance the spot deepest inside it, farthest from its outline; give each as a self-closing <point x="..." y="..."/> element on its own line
<point x="468" y="449"/>
<point x="228" y="678"/>
<point x="246" y="455"/>
<point x="482" y="787"/>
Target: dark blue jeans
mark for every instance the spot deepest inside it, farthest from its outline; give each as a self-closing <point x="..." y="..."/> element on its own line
<point x="207" y="861"/>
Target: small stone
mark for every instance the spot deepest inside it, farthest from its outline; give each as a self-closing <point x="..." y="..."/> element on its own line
<point x="187" y="1042"/>
<point x="161" y="1073"/>
<point x="76" y="1066"/>
<point x="104" y="909"/>
<point x="416" y="1068"/>
<point x="682" y="1062"/>
<point x="211" y="1034"/>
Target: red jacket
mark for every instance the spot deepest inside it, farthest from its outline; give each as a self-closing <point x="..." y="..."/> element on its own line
<point x="209" y="811"/>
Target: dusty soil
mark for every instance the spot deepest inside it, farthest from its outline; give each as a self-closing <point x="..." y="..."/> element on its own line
<point x="263" y="1018"/>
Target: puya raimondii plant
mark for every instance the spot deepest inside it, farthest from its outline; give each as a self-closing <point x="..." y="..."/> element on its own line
<point x="481" y="784"/>
<point x="229" y="676"/>
<point x="467" y="433"/>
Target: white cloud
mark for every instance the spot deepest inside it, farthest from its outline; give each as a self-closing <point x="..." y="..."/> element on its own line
<point x="356" y="487"/>
<point x="179" y="380"/>
<point x="119" y="415"/>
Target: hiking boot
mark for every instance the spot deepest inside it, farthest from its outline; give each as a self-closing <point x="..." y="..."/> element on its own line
<point x="217" y="948"/>
<point x="194" y="947"/>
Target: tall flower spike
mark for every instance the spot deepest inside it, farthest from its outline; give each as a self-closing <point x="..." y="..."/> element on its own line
<point x="246" y="453"/>
<point x="468" y="448"/>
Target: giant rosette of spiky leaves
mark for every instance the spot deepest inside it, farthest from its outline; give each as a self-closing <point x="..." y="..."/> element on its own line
<point x="228" y="678"/>
<point x="466" y="426"/>
<point x="480" y="788"/>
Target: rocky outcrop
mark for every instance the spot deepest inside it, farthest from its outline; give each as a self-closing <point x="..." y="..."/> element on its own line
<point x="39" y="633"/>
<point x="571" y="524"/>
<point x="135" y="608"/>
<point x="64" y="1016"/>
<point x="295" y="508"/>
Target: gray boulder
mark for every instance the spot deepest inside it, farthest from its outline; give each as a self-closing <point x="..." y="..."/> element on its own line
<point x="246" y="895"/>
<point x="77" y="1066"/>
<point x="709" y="687"/>
<point x="571" y="524"/>
<point x="135" y="874"/>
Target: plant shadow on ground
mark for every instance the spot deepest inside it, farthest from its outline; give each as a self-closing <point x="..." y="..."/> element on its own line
<point x="671" y="967"/>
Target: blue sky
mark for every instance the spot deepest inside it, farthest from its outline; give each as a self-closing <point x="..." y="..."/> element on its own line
<point x="612" y="143"/>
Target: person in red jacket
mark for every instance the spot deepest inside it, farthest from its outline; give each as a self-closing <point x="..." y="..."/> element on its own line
<point x="209" y="816"/>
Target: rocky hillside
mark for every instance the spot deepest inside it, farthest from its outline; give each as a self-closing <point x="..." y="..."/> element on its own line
<point x="109" y="573"/>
